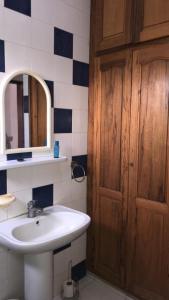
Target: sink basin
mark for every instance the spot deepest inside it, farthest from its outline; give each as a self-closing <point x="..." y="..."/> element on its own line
<point x="57" y="227"/>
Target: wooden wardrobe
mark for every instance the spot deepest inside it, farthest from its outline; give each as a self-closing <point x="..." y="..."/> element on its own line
<point x="128" y="146"/>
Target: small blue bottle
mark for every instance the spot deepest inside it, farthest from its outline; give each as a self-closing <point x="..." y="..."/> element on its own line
<point x="56" y="149"/>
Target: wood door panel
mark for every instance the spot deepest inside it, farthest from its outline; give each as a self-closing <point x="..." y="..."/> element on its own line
<point x="148" y="204"/>
<point x="155" y="19"/>
<point x="108" y="241"/>
<point x="110" y="169"/>
<point x="111" y="119"/>
<point x="149" y="251"/>
<point x="153" y="131"/>
<point x="112" y="19"/>
<point x="111" y="24"/>
<point x="160" y="13"/>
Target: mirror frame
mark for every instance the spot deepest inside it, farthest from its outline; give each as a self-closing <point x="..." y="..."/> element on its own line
<point x="3" y="87"/>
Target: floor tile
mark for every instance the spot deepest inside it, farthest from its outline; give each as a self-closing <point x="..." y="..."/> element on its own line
<point x="92" y="288"/>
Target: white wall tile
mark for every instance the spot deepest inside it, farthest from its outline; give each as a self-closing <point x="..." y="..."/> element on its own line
<point x="19" y="179"/>
<point x="80" y="97"/>
<point x="71" y="19"/>
<point x="79" y="143"/>
<point x="80" y="121"/>
<point x="62" y="192"/>
<point x="63" y="69"/>
<point x="79" y="190"/>
<point x="64" y="95"/>
<point x="63" y="16"/>
<point x="43" y="64"/>
<point x="19" y="206"/>
<point x="65" y="170"/>
<point x="65" y="143"/>
<point x="3" y="214"/>
<point x="80" y="49"/>
<point x="43" y="175"/>
<point x="1" y="22"/>
<point x="42" y="10"/>
<point x="17" y="57"/>
<point x="79" y="204"/>
<point x="42" y="36"/>
<point x="79" y="4"/>
<point x="17" y="27"/>
<point x="29" y="45"/>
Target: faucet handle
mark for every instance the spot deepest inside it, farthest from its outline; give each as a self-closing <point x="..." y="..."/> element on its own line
<point x="31" y="204"/>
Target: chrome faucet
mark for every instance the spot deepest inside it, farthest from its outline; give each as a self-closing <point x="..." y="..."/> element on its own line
<point x="33" y="211"/>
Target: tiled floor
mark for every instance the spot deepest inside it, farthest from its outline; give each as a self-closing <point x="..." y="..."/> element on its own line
<point x="92" y="288"/>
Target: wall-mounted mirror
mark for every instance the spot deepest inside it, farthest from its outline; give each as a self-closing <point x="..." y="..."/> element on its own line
<point x="25" y="113"/>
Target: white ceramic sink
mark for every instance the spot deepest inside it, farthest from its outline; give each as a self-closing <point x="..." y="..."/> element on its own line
<point x="57" y="227"/>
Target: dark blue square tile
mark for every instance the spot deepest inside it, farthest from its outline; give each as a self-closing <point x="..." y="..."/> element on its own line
<point x="43" y="195"/>
<point x="50" y="85"/>
<point x="26" y="104"/>
<point x="22" y="6"/>
<point x="80" y="160"/>
<point x="3" y="182"/>
<point x="79" y="271"/>
<point x="80" y="73"/>
<point x="19" y="156"/>
<point x="2" y="56"/>
<point x="62" y="120"/>
<point x="63" y="43"/>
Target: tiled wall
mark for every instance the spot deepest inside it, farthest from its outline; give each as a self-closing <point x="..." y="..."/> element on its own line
<point x="50" y="38"/>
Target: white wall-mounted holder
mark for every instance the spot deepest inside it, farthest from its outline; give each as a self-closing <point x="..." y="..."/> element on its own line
<point x="3" y="87"/>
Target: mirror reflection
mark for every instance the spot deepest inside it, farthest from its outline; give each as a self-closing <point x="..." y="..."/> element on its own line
<point x="25" y="113"/>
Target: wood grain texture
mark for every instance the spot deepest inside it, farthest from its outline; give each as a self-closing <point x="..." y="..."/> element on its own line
<point x="38" y="115"/>
<point x="155" y="19"/>
<point x="148" y="214"/>
<point x="108" y="238"/>
<point x="111" y="114"/>
<point x="113" y="23"/>
<point x="153" y="131"/>
<point x="109" y="202"/>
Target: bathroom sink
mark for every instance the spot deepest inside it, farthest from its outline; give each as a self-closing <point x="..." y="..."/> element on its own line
<point x="57" y="227"/>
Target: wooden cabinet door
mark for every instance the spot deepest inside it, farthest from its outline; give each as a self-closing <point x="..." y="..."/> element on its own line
<point x="113" y="23"/>
<point x="154" y="19"/>
<point x="148" y="209"/>
<point x="111" y="143"/>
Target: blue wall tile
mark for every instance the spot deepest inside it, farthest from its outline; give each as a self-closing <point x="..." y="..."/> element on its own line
<point x="3" y="182"/>
<point x="50" y="85"/>
<point x="21" y="156"/>
<point x="43" y="195"/>
<point x="63" y="43"/>
<point x="22" y="6"/>
<point x="80" y="73"/>
<point x="26" y="104"/>
<point x="62" y="120"/>
<point x="2" y="56"/>
<point x="79" y="271"/>
<point x="81" y="160"/>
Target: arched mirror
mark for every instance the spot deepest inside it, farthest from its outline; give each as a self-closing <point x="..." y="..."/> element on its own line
<point x="25" y="113"/>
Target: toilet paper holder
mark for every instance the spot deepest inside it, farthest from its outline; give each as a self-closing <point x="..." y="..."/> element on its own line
<point x="70" y="290"/>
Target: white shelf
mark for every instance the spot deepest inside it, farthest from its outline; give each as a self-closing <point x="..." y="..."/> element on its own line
<point x="12" y="164"/>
